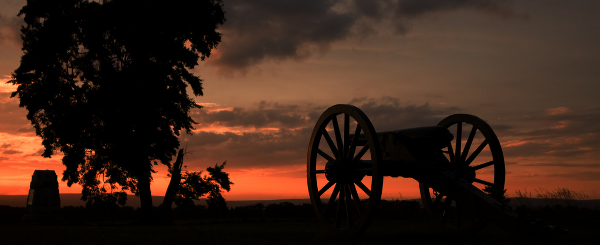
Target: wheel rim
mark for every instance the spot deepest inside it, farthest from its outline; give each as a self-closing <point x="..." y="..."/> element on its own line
<point x="343" y="178"/>
<point x="478" y="160"/>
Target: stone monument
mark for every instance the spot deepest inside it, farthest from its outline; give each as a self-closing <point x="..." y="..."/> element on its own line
<point x="43" y="202"/>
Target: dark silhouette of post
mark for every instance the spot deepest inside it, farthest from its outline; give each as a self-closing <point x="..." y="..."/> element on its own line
<point x="43" y="201"/>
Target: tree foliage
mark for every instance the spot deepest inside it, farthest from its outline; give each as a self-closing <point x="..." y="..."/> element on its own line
<point x="195" y="185"/>
<point x="105" y="82"/>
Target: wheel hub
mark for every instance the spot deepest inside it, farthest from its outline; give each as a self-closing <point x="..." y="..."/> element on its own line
<point x="342" y="171"/>
<point x="468" y="174"/>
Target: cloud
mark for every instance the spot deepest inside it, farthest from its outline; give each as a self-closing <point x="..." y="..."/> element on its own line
<point x="558" y="111"/>
<point x="11" y="152"/>
<point x="563" y="164"/>
<point x="578" y="175"/>
<point x="10" y="29"/>
<point x="38" y="153"/>
<point x="566" y="134"/>
<point x="13" y="118"/>
<point x="278" y="30"/>
<point x="271" y="134"/>
<point x="264" y="115"/>
<point x="261" y="30"/>
<point x="268" y="135"/>
<point x="389" y="113"/>
<point x="415" y="8"/>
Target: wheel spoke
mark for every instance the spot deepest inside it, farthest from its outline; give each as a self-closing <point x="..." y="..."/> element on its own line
<point x="337" y="202"/>
<point x="336" y="189"/>
<point x="348" y="198"/>
<point x="476" y="152"/>
<point x="338" y="136"/>
<point x="487" y="164"/>
<point x="338" y="213"/>
<point x="465" y="152"/>
<point x="360" y="153"/>
<point x="356" y="199"/>
<point x="346" y="134"/>
<point x="325" y="155"/>
<point x="363" y="188"/>
<point x="474" y="149"/>
<point x="350" y="154"/>
<point x="480" y="181"/>
<point x="458" y="142"/>
<point x="450" y="152"/>
<point x="330" y="143"/>
<point x="326" y="187"/>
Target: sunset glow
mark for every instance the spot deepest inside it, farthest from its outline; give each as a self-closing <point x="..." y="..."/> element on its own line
<point x="531" y="72"/>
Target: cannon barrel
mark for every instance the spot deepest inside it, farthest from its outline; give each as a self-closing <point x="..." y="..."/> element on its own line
<point x="432" y="136"/>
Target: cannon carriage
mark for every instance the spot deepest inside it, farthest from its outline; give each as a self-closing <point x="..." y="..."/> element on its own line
<point x="458" y="163"/>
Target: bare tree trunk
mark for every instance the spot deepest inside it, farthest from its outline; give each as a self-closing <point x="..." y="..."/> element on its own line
<point x="173" y="185"/>
<point x="143" y="186"/>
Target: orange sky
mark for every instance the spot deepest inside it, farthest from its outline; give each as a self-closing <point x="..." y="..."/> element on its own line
<point x="529" y="68"/>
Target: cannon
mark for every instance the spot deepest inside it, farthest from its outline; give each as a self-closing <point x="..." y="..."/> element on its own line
<point x="458" y="163"/>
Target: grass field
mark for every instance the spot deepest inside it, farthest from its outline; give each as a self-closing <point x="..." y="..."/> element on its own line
<point x="399" y="228"/>
<point x="274" y="232"/>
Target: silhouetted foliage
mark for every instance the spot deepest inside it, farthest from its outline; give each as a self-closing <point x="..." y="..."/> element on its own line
<point x="195" y="185"/>
<point x="105" y="82"/>
<point x="488" y="190"/>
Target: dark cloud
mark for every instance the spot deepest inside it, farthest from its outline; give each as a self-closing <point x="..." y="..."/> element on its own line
<point x="280" y="133"/>
<point x="415" y="8"/>
<point x="10" y="29"/>
<point x="254" y="149"/>
<point x="389" y="113"/>
<point x="13" y="118"/>
<point x="11" y="152"/>
<point x="405" y="10"/>
<point x="579" y="175"/>
<point x="7" y="149"/>
<point x="38" y="153"/>
<point x="278" y="30"/>
<point x="265" y="115"/>
<point x="567" y="135"/>
<point x="563" y="164"/>
<point x="261" y="30"/>
<point x="271" y="134"/>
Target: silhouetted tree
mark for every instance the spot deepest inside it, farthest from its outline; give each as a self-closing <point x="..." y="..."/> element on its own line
<point x="195" y="185"/>
<point x="184" y="189"/>
<point x="105" y="82"/>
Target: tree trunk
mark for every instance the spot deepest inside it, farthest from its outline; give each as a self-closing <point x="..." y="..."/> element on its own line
<point x="173" y="185"/>
<point x="143" y="186"/>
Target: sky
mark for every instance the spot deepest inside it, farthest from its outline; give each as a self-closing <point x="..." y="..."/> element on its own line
<point x="529" y="68"/>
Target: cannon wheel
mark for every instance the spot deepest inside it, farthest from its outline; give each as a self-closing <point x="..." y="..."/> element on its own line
<point x="333" y="179"/>
<point x="456" y="215"/>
